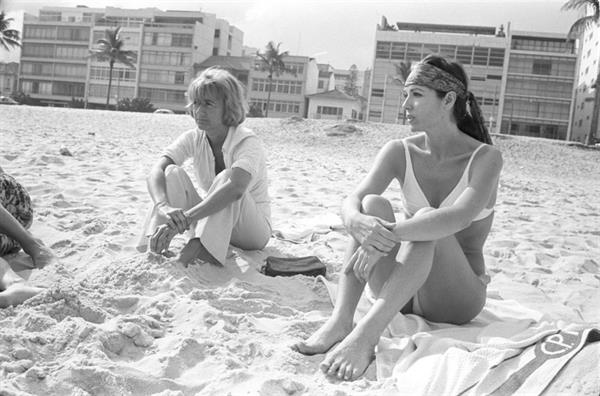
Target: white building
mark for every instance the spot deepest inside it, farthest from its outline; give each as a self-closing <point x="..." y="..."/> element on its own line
<point x="55" y="66"/>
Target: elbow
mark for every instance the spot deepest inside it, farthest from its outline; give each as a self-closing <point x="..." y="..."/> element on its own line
<point x="237" y="192"/>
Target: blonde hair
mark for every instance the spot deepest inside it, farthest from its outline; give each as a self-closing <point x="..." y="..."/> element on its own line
<point x="221" y="84"/>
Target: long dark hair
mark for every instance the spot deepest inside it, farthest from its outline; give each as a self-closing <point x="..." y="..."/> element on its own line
<point x="468" y="118"/>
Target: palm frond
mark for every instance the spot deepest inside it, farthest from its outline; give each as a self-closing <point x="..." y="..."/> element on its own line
<point x="580" y="25"/>
<point x="579" y="4"/>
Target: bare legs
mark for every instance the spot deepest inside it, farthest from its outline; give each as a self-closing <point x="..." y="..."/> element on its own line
<point x="13" y="289"/>
<point x="421" y="269"/>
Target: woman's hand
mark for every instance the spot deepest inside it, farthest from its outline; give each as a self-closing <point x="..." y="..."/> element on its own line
<point x="373" y="233"/>
<point x="161" y="239"/>
<point x="174" y="217"/>
<point x="362" y="263"/>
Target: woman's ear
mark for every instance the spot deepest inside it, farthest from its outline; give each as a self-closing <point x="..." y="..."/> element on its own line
<point x="449" y="99"/>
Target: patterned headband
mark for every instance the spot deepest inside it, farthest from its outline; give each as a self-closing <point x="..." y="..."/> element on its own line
<point x="435" y="78"/>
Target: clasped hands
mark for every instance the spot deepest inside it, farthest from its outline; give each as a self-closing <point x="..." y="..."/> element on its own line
<point x="376" y="240"/>
<point x="176" y="222"/>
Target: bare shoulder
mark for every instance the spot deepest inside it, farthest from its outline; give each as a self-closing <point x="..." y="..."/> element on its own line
<point x="488" y="162"/>
<point x="492" y="155"/>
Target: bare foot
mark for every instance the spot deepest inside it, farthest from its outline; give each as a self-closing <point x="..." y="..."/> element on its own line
<point x="194" y="249"/>
<point x="332" y="332"/>
<point x="16" y="293"/>
<point x="350" y="358"/>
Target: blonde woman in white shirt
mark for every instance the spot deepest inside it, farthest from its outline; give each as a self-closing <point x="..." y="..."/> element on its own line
<point x="230" y="167"/>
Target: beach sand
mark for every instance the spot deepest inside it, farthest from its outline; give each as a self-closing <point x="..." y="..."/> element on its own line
<point x="114" y="321"/>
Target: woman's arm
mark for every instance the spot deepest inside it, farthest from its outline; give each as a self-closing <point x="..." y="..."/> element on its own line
<point x="371" y="231"/>
<point x="156" y="181"/>
<point x="222" y="196"/>
<point x="442" y="222"/>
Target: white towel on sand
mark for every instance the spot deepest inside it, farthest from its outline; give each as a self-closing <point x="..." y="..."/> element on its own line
<point x="508" y="349"/>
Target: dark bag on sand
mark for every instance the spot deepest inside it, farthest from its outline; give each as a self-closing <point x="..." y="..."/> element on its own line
<point x="289" y="266"/>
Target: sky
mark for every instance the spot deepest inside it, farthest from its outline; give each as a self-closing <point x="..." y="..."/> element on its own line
<point x="337" y="32"/>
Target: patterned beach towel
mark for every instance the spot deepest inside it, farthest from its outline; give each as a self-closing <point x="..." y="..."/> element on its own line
<point x="508" y="349"/>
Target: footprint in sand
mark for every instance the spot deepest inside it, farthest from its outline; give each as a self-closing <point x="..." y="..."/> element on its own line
<point x="95" y="227"/>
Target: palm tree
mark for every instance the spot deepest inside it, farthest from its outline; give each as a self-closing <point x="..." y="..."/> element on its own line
<point x="578" y="27"/>
<point x="271" y="61"/>
<point x="402" y="71"/>
<point x="110" y="48"/>
<point x="9" y="38"/>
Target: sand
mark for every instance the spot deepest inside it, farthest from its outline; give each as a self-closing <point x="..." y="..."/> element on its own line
<point x="114" y="321"/>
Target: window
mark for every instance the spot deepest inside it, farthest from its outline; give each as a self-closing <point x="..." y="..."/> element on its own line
<point x="215" y="51"/>
<point x="542" y="66"/>
<point x="382" y="50"/>
<point x="464" y="54"/>
<point x="217" y="33"/>
<point x="480" y="56"/>
<point x="398" y="51"/>
<point x="448" y="51"/>
<point x="329" y="110"/>
<point x="68" y="89"/>
<point x="181" y="40"/>
<point x="494" y="77"/>
<point x="179" y="77"/>
<point x="496" y="57"/>
<point x="73" y="34"/>
<point x="375" y="114"/>
<point x="377" y="92"/>
<point x="321" y="84"/>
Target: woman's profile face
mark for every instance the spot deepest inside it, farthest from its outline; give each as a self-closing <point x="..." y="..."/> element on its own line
<point x="208" y="112"/>
<point x="422" y="105"/>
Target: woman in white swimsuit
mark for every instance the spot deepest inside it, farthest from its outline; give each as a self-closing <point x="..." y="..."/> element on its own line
<point x="428" y="262"/>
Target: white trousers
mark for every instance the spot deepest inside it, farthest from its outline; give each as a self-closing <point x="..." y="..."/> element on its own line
<point x="241" y="223"/>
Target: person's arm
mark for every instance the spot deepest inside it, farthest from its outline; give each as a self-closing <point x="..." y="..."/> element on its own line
<point x="222" y="196"/>
<point x="34" y="247"/>
<point x="442" y="222"/>
<point x="370" y="231"/>
<point x="14" y="230"/>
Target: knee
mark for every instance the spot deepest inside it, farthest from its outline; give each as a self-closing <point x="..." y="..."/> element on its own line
<point x="376" y="205"/>
<point x="173" y="171"/>
<point x="422" y="211"/>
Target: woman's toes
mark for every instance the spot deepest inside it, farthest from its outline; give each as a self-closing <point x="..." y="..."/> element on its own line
<point x="348" y="373"/>
<point x="342" y="371"/>
<point x="325" y="365"/>
<point x="333" y="368"/>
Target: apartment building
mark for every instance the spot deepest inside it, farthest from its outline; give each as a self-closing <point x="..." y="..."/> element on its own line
<point x="289" y="90"/>
<point x="480" y="49"/>
<point x="9" y="73"/>
<point x="539" y="84"/>
<point x="326" y="77"/>
<point x="586" y="80"/>
<point x="342" y="79"/>
<point x="55" y="66"/>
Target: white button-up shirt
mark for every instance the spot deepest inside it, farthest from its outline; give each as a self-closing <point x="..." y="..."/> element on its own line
<point x="241" y="149"/>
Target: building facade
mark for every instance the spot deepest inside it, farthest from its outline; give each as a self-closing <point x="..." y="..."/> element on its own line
<point x="481" y="51"/>
<point x="9" y="73"/>
<point x="334" y="105"/>
<point x="586" y="80"/>
<point x="538" y="85"/>
<point x="55" y="66"/>
<point x="523" y="81"/>
<point x="288" y="90"/>
<point x="326" y="78"/>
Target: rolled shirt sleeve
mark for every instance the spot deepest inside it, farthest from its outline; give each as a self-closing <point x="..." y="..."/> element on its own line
<point x="181" y="148"/>
<point x="249" y="156"/>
